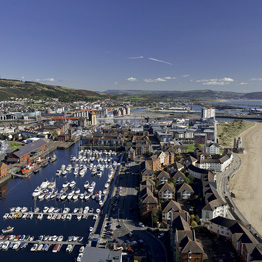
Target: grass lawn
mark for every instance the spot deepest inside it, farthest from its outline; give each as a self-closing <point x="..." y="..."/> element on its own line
<point x="14" y="145"/>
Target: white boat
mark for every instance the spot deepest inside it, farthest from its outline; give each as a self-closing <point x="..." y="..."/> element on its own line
<point x="58" y="172"/>
<point x="7" y="230"/>
<point x="79" y="257"/>
<point x="90" y="189"/>
<point x="63" y="197"/>
<point x="64" y="172"/>
<point x="69" y="217"/>
<point x="60" y="238"/>
<point x="17" y="245"/>
<point x="82" y="196"/>
<point x="87" y="197"/>
<point x="86" y="185"/>
<point x="82" y="249"/>
<point x="66" y="210"/>
<point x="106" y="185"/>
<point x="69" y="248"/>
<point x="34" y="247"/>
<point x="91" y="229"/>
<point x="66" y="184"/>
<point x="99" y="173"/>
<point x="100" y="202"/>
<point x="75" y="197"/>
<point x="40" y="216"/>
<point x="95" y="217"/>
<point x="98" y="211"/>
<point x="45" y="210"/>
<point x="39" y="248"/>
<point x="37" y="192"/>
<point x="44" y="184"/>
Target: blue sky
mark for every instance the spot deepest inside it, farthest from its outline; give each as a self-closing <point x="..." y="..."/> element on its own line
<point x="139" y="44"/>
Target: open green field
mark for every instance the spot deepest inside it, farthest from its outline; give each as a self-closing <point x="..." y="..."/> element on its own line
<point x="191" y="147"/>
<point x="14" y="145"/>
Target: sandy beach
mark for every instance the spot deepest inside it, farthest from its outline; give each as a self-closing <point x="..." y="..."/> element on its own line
<point x="247" y="183"/>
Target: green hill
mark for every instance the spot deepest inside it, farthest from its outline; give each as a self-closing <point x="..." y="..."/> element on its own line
<point x="16" y="88"/>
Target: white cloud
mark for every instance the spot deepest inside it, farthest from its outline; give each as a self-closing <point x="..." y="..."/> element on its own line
<point x="243" y="83"/>
<point x="51" y="79"/>
<point x="169" y="77"/>
<point x="159" y="79"/>
<point x="136" y="57"/>
<point x="185" y="75"/>
<point x="256" y="79"/>
<point x="116" y="83"/>
<point x="216" y="81"/>
<point x="160" y="61"/>
<point x="131" y="79"/>
<point x="22" y="77"/>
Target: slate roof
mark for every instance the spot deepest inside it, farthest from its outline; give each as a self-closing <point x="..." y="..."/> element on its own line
<point x="194" y="247"/>
<point x="29" y="148"/>
<point x="185" y="187"/>
<point x="224" y="222"/>
<point x="255" y="250"/>
<point x="179" y="174"/>
<point x="181" y="224"/>
<point x="214" y="204"/>
<point x="197" y="169"/>
<point x="166" y="207"/>
<point x="150" y="199"/>
<point x="163" y="174"/>
<point x="167" y="187"/>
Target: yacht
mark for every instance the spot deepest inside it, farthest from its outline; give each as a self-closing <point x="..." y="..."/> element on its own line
<point x="99" y="173"/>
<point x="86" y="185"/>
<point x="90" y="189"/>
<point x="40" y="216"/>
<point x="69" y="248"/>
<point x="58" y="172"/>
<point x="79" y="257"/>
<point x="34" y="247"/>
<point x="91" y="229"/>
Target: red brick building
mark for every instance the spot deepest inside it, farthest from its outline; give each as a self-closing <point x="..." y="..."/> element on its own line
<point x="3" y="170"/>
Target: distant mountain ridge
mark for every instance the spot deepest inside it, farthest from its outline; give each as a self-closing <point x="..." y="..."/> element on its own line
<point x="192" y="94"/>
<point x="20" y="89"/>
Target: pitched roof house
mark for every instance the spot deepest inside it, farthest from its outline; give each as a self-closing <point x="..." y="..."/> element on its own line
<point x="166" y="192"/>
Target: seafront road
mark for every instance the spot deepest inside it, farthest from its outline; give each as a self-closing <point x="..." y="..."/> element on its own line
<point x="222" y="189"/>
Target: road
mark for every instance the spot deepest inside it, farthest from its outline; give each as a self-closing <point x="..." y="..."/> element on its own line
<point x="222" y="181"/>
<point x="127" y="212"/>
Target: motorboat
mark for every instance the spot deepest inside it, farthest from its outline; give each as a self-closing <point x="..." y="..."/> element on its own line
<point x="34" y="248"/>
<point x="69" y="248"/>
<point x="8" y="229"/>
<point x="86" y="185"/>
<point x="58" y="172"/>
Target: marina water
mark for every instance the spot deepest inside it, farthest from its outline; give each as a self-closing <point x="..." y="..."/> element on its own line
<point x="18" y="192"/>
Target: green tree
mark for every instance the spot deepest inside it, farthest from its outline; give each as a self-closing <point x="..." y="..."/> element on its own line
<point x="193" y="224"/>
<point x="197" y="219"/>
